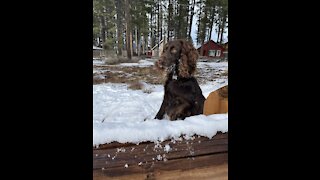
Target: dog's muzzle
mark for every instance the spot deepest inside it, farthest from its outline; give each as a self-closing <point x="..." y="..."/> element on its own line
<point x="171" y="68"/>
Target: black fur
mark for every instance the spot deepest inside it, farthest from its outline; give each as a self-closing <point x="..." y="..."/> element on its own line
<point x="182" y="98"/>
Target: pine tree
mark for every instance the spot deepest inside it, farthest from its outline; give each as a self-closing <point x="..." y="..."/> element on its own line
<point x="128" y="29"/>
<point x="139" y="12"/>
<point x="120" y="15"/>
<point x="98" y="28"/>
<point x="224" y="16"/>
<point x="170" y="21"/>
<point x="104" y="25"/>
<point x="110" y="24"/>
<point x="193" y="3"/>
<point x="202" y="24"/>
<point x="181" y="14"/>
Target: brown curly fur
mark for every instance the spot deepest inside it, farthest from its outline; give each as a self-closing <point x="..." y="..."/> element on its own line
<point x="182" y="96"/>
<point x="182" y="51"/>
<point x="216" y="102"/>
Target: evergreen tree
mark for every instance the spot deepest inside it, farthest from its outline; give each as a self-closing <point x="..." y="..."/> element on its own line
<point x="120" y="21"/>
<point x="128" y="29"/>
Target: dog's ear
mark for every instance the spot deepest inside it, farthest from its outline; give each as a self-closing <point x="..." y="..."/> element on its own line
<point x="159" y="64"/>
<point x="188" y="60"/>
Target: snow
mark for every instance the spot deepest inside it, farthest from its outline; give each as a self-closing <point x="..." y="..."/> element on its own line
<point x="141" y="63"/>
<point x="95" y="47"/>
<point x="167" y="148"/>
<point x="97" y="61"/>
<point x="150" y="62"/>
<point x="214" y="65"/>
<point x="124" y="115"/>
<point x="159" y="157"/>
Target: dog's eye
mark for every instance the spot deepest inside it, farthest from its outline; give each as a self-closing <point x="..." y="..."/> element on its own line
<point x="173" y="50"/>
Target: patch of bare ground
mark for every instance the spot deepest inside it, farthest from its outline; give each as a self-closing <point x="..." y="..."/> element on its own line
<point x="204" y="75"/>
<point x="134" y="74"/>
<point x="119" y="74"/>
<point x="118" y="60"/>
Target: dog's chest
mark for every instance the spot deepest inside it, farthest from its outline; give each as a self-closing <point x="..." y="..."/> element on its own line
<point x="175" y="77"/>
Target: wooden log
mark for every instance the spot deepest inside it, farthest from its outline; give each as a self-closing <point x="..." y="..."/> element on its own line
<point x="148" y="160"/>
<point x="208" y="166"/>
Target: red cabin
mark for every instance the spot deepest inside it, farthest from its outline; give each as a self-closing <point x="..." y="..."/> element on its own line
<point x="212" y="49"/>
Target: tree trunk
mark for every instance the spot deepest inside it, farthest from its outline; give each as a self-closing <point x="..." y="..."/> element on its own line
<point x="142" y="44"/>
<point x="152" y="28"/>
<point x="211" y="22"/>
<point x="222" y="28"/>
<point x="203" y="35"/>
<point x="201" y="49"/>
<point x="158" y="24"/>
<point x="170" y="27"/>
<point x="119" y="27"/>
<point x="130" y="43"/>
<point x="199" y="40"/>
<point x="136" y="40"/>
<point x="218" y="32"/>
<point x="179" y="29"/>
<point x="191" y="18"/>
<point x="102" y="30"/>
<point x="210" y="32"/>
<point x="128" y="30"/>
<point x="145" y="43"/>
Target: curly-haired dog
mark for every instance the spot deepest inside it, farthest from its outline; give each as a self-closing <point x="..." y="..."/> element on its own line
<point x="182" y="94"/>
<point x="216" y="102"/>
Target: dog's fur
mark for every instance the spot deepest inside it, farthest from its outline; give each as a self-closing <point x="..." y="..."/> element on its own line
<point x="216" y="102"/>
<point x="183" y="96"/>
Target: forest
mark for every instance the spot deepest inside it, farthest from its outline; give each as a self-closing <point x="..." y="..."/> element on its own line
<point x="132" y="27"/>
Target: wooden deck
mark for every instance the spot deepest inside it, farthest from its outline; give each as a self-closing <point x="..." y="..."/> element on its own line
<point x="196" y="158"/>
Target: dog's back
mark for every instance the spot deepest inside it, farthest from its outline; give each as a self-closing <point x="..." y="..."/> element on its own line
<point x="216" y="102"/>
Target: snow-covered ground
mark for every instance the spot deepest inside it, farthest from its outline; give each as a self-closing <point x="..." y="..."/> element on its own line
<point x="97" y="61"/>
<point x="220" y="65"/>
<point x="141" y="63"/>
<point x="124" y="115"/>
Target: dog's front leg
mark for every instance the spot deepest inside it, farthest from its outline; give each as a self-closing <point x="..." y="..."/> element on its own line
<point x="165" y="101"/>
<point x="161" y="110"/>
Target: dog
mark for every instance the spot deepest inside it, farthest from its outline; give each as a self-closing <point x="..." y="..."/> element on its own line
<point x="182" y="94"/>
<point x="216" y="102"/>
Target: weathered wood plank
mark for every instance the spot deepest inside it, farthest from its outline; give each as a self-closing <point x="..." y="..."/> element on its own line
<point x="151" y="161"/>
<point x="118" y="157"/>
<point x="121" y="158"/>
<point x="204" y="167"/>
<point x="118" y="145"/>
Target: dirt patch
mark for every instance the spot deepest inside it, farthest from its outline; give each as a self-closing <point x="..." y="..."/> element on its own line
<point x="134" y="74"/>
<point x="136" y="85"/>
<point x="118" y="60"/>
<point x="204" y="75"/>
<point x="120" y="74"/>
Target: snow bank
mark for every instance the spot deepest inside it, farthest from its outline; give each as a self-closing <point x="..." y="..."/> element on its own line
<point x="160" y="130"/>
<point x="124" y="115"/>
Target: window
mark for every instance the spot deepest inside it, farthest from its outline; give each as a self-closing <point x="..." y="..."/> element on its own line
<point x="218" y="52"/>
<point x="212" y="53"/>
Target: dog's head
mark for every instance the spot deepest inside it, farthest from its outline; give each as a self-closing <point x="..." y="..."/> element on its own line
<point x="179" y="53"/>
